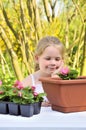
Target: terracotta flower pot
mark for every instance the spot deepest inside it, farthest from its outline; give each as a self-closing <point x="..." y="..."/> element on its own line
<point x="66" y="95"/>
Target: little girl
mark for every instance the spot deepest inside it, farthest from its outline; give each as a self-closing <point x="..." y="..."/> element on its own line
<point x="49" y="57"/>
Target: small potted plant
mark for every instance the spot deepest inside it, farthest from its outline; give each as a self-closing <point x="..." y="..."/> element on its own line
<point x="67" y="93"/>
<point x="24" y="99"/>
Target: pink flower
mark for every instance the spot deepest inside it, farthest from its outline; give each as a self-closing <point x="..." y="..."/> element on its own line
<point x="35" y="94"/>
<point x="0" y="82"/>
<point x="33" y="88"/>
<point x="1" y="92"/>
<point x="64" y="71"/>
<point x="18" y="85"/>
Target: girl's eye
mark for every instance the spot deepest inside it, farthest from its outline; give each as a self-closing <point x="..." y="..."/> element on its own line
<point x="48" y="58"/>
<point x="57" y="59"/>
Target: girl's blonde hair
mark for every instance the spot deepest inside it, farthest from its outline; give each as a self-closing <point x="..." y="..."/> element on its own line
<point x="45" y="42"/>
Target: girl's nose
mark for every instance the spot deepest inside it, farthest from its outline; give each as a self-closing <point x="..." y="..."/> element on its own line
<point x="53" y="62"/>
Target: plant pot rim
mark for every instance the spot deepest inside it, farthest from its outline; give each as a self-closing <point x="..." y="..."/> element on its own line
<point x="80" y="80"/>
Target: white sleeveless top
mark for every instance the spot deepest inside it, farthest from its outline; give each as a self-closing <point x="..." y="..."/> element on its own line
<point x="39" y="88"/>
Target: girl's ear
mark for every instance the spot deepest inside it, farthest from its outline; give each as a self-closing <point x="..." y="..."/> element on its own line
<point x="36" y="58"/>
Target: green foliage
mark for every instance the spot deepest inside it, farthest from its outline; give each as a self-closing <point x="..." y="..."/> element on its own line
<point x="7" y="81"/>
<point x="73" y="74"/>
<point x="69" y="74"/>
<point x="19" y="94"/>
<point x="24" y="95"/>
<point x="4" y="93"/>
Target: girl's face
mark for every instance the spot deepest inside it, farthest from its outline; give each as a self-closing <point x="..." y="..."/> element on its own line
<point x="50" y="60"/>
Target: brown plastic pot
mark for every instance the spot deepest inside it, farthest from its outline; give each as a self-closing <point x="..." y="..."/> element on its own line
<point x="66" y="95"/>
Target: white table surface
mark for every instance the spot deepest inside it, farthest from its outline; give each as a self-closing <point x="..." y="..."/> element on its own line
<point x="46" y="120"/>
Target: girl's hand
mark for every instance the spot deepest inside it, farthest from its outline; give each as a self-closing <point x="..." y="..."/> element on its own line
<point x="46" y="104"/>
<point x="54" y="74"/>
